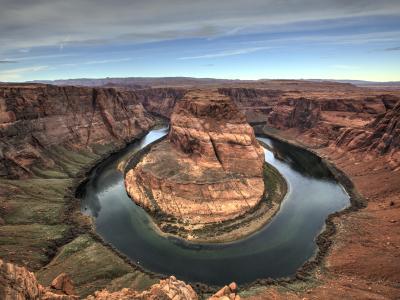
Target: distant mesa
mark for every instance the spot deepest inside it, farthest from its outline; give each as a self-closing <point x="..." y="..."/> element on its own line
<point x="208" y="170"/>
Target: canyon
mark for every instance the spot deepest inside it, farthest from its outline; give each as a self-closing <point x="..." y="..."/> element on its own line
<point x="51" y="135"/>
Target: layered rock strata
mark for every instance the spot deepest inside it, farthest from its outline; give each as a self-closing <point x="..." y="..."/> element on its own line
<point x="36" y="118"/>
<point x="209" y="169"/>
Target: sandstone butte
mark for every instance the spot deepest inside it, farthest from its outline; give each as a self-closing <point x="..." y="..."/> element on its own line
<point x="208" y="170"/>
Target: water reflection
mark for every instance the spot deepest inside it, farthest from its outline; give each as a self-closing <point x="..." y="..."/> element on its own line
<point x="301" y="160"/>
<point x="277" y="250"/>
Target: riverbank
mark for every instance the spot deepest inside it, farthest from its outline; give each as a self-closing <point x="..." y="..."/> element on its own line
<point x="42" y="226"/>
<point x="109" y="269"/>
<point x="258" y="282"/>
<point x="360" y="261"/>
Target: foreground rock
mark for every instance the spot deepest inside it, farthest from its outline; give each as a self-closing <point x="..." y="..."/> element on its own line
<point x="210" y="169"/>
<point x="228" y="292"/>
<point x="17" y="283"/>
<point x="170" y="288"/>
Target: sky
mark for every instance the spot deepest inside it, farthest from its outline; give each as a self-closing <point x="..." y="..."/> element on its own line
<point x="233" y="39"/>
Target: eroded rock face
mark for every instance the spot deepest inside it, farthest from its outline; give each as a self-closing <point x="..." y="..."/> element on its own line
<point x="34" y="118"/>
<point x="170" y="288"/>
<point x="17" y="283"/>
<point x="210" y="168"/>
<point x="381" y="136"/>
<point x="160" y="101"/>
<point x="299" y="113"/>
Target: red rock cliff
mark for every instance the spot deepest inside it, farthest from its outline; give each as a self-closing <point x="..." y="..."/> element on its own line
<point x="34" y="118"/>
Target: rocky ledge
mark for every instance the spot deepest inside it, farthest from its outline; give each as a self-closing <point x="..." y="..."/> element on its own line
<point x="208" y="170"/>
<point x="18" y="283"/>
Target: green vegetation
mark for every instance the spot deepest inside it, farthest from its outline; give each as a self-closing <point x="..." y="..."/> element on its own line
<point x="239" y="227"/>
<point x="102" y="267"/>
<point x="275" y="184"/>
<point x="40" y="215"/>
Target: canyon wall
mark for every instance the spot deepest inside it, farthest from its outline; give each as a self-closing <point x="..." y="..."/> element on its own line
<point x="53" y="132"/>
<point x="381" y="136"/>
<point x="35" y="119"/>
<point x="160" y="101"/>
<point x="323" y="114"/>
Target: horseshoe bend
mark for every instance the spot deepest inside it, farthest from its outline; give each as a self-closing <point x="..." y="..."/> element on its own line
<point x="52" y="135"/>
<point x="209" y="169"/>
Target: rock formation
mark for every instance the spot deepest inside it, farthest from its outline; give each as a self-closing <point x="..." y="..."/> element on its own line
<point x="160" y="101"/>
<point x="35" y="118"/>
<point x="381" y="136"/>
<point x="17" y="283"/>
<point x="228" y="292"/>
<point x="210" y="169"/>
<point x="300" y="113"/>
<point x="169" y="288"/>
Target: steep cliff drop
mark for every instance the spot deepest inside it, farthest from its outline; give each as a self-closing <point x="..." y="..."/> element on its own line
<point x="208" y="170"/>
<point x="36" y="120"/>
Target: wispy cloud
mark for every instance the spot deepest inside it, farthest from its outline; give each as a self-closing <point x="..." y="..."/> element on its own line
<point x="8" y="61"/>
<point x="392" y="49"/>
<point x="333" y="39"/>
<point x="37" y="57"/>
<point x="344" y="67"/>
<point x="106" y="61"/>
<point x="96" y="62"/>
<point x="17" y="73"/>
<point x="30" y="24"/>
<point x="226" y="53"/>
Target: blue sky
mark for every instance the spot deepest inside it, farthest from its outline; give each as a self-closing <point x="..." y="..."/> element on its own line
<point x="251" y="39"/>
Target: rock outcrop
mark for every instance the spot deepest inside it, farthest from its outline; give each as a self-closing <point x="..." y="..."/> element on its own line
<point x="35" y="118"/>
<point x="63" y="284"/>
<point x="160" y="101"/>
<point x="210" y="169"/>
<point x="299" y="113"/>
<point x="324" y="115"/>
<point x="381" y="136"/>
<point x="228" y="292"/>
<point x="17" y="283"/>
<point x="169" y="288"/>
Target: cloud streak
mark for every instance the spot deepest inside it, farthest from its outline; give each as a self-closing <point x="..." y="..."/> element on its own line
<point x="96" y="62"/>
<point x="17" y="73"/>
<point x="226" y="53"/>
<point x="59" y="23"/>
<point x="393" y="49"/>
<point x="106" y="61"/>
